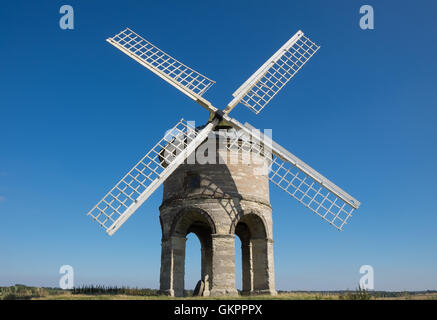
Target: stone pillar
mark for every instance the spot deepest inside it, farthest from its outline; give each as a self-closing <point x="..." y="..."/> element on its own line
<point x="206" y="255"/>
<point x="247" y="272"/>
<point x="223" y="265"/>
<point x="203" y="265"/>
<point x="263" y="267"/>
<point x="271" y="268"/>
<point x="172" y="266"/>
<point x="206" y="268"/>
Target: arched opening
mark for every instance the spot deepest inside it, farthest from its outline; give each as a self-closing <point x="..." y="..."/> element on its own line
<point x="193" y="260"/>
<point x="191" y="224"/>
<point x="238" y="265"/>
<point x="251" y="231"/>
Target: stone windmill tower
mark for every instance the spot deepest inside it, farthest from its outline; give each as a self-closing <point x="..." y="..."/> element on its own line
<point x="224" y="198"/>
<point x="227" y="195"/>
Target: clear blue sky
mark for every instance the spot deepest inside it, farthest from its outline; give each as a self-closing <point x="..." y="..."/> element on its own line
<point x="76" y="114"/>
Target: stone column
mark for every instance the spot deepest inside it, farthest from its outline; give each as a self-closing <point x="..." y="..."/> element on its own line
<point x="203" y="265"/>
<point x="206" y="270"/>
<point x="172" y="266"/>
<point x="263" y="266"/>
<point x="247" y="272"/>
<point x="271" y="268"/>
<point x="206" y="253"/>
<point x="223" y="265"/>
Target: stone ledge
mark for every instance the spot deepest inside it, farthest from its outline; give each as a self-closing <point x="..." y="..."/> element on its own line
<point x="175" y="202"/>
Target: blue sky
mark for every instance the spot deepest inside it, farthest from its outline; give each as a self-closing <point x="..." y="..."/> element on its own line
<point x="76" y="114"/>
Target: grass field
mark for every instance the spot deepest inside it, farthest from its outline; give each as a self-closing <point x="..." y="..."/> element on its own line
<point x="22" y="292"/>
<point x="282" y="296"/>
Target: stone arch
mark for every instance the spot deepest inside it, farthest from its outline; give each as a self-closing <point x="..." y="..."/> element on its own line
<point x="255" y="221"/>
<point x="256" y="225"/>
<point x="199" y="222"/>
<point x="256" y="254"/>
<point x="186" y="217"/>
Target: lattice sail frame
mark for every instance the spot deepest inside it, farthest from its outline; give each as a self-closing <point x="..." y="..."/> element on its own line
<point x="275" y="73"/>
<point x="310" y="193"/>
<point x="294" y="181"/>
<point x="298" y="179"/>
<point x="289" y="173"/>
<point x="184" y="78"/>
<point x="147" y="175"/>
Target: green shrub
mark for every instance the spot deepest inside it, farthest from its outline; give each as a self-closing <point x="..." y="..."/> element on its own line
<point x="358" y="294"/>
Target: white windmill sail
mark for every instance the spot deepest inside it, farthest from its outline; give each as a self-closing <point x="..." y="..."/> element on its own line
<point x="147" y="175"/>
<point x="287" y="171"/>
<point x="182" y="77"/>
<point x="302" y="182"/>
<point x="318" y="195"/>
<point x="274" y="74"/>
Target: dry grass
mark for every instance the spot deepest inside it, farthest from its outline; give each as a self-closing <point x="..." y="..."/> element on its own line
<point x="22" y="292"/>
<point x="281" y="296"/>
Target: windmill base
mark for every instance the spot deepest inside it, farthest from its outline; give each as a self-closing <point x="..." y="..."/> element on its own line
<point x="217" y="202"/>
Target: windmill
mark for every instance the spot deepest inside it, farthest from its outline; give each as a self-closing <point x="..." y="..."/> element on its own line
<point x="286" y="171"/>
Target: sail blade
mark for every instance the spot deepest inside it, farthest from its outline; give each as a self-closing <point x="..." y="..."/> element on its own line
<point x="147" y="175"/>
<point x="182" y="77"/>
